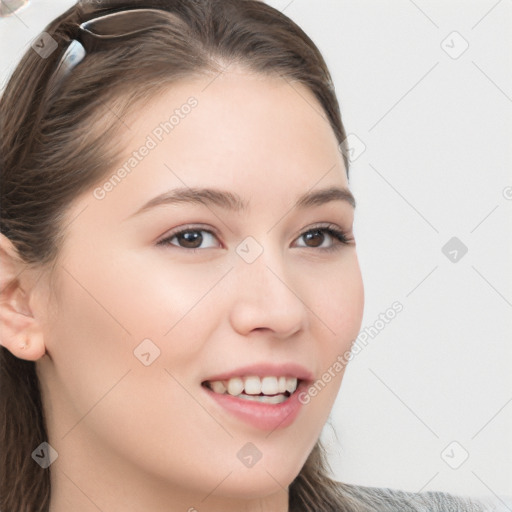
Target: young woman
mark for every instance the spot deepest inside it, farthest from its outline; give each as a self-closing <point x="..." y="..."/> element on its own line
<point x="179" y="267"/>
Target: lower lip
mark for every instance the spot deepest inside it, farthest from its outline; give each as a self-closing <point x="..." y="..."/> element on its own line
<point x="260" y="415"/>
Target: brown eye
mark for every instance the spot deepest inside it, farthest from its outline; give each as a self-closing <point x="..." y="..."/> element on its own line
<point x="189" y="239"/>
<point x="316" y="237"/>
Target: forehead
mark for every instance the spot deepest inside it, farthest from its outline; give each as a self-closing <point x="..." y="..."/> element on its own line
<point x="241" y="124"/>
<point x="265" y="139"/>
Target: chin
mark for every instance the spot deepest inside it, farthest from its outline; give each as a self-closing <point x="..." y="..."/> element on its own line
<point x="257" y="483"/>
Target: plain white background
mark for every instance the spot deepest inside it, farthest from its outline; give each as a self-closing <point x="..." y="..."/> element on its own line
<point x="425" y="89"/>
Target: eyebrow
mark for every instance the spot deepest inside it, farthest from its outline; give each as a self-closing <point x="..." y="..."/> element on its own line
<point x="234" y="203"/>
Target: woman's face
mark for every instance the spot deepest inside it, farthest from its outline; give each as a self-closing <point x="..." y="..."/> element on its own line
<point x="140" y="319"/>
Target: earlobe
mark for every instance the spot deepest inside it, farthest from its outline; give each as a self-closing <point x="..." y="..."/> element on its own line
<point x="20" y="331"/>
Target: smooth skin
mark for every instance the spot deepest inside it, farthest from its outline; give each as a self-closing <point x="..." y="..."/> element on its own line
<point x="132" y="437"/>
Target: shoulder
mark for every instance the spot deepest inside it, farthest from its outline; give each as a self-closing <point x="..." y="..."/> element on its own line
<point x="497" y="503"/>
<point x="394" y="500"/>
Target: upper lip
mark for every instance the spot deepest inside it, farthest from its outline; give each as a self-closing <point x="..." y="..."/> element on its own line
<point x="266" y="370"/>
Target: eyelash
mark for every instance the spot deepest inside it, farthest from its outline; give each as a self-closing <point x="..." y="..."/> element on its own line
<point x="336" y="233"/>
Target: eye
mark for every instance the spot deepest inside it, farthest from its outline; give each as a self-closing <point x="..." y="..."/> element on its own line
<point x="188" y="238"/>
<point x="317" y="236"/>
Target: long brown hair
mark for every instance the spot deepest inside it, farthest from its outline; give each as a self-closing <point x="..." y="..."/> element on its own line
<point x="53" y="148"/>
<point x="50" y="154"/>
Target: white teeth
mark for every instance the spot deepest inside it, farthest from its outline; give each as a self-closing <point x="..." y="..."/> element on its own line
<point x="269" y="386"/>
<point x="253" y="386"/>
<point x="291" y="384"/>
<point x="218" y="386"/>
<point x="235" y="386"/>
<point x="277" y="399"/>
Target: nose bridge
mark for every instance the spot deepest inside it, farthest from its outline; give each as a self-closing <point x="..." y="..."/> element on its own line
<point x="261" y="265"/>
<point x="265" y="297"/>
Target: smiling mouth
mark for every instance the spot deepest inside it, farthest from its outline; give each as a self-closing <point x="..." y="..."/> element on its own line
<point x="268" y="390"/>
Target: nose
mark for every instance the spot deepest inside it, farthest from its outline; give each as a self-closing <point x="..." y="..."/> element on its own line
<point x="266" y="299"/>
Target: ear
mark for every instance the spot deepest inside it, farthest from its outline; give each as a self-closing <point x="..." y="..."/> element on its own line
<point x="20" y="332"/>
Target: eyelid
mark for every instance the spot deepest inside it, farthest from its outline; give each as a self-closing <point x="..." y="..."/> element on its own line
<point x="323" y="225"/>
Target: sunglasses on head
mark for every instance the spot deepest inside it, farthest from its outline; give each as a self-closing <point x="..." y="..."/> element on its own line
<point x="98" y="32"/>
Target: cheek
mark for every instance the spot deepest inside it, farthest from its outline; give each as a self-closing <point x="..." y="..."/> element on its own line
<point x="336" y="297"/>
<point x="90" y="348"/>
<point x="104" y="397"/>
<point x="339" y="307"/>
<point x="154" y="294"/>
<point x="105" y="312"/>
